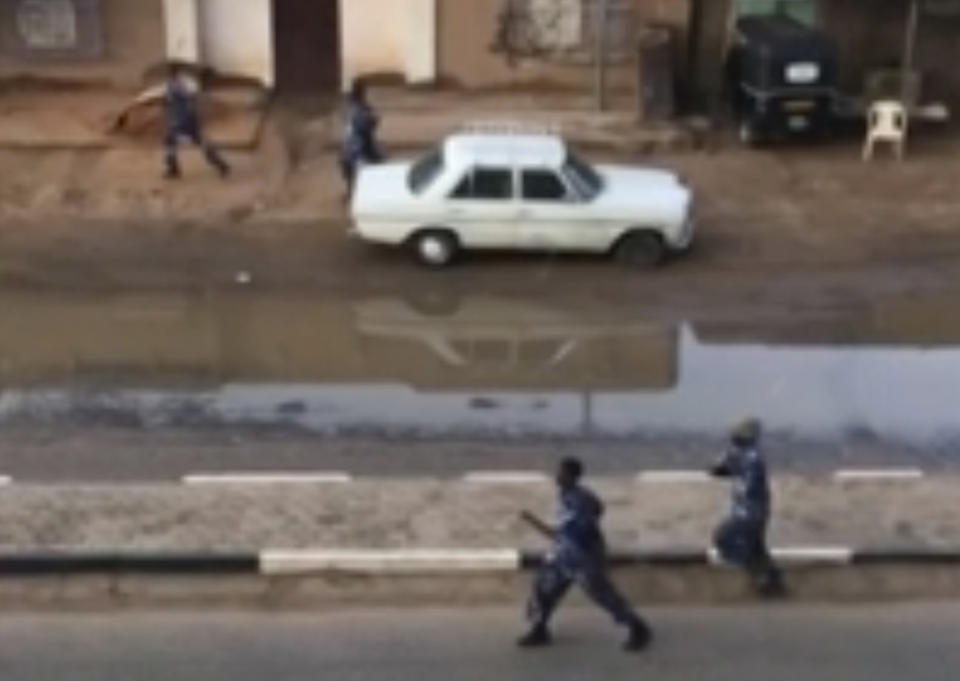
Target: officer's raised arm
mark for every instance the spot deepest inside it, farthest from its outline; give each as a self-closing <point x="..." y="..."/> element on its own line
<point x="724" y="467"/>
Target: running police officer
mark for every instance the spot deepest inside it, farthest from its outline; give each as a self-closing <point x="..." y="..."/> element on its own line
<point x="182" y="121"/>
<point x="741" y="537"/>
<point x="178" y="95"/>
<point x="359" y="143"/>
<point x="578" y="555"/>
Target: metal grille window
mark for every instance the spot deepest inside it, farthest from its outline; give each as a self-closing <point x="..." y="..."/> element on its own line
<point x="557" y="23"/>
<point x="565" y="29"/>
<point x="50" y="29"/>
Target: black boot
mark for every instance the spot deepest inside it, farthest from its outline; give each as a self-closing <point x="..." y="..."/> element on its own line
<point x="216" y="161"/>
<point x="171" y="169"/>
<point x="639" y="637"/>
<point x="537" y="637"/>
<point x="223" y="168"/>
<point x="770" y="585"/>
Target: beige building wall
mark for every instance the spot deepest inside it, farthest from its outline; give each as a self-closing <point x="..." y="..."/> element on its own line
<point x="236" y="38"/>
<point x="372" y="46"/>
<point x="133" y="39"/>
<point x="182" y="22"/>
<point x="467" y="29"/>
<point x="396" y="38"/>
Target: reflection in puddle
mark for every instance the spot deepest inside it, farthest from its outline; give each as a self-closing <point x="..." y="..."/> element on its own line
<point x="476" y="366"/>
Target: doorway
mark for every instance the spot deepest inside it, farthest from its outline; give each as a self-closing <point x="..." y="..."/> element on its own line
<point x="307" y="46"/>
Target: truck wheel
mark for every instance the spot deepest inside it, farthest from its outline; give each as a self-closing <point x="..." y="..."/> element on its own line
<point x="641" y="249"/>
<point x="435" y="247"/>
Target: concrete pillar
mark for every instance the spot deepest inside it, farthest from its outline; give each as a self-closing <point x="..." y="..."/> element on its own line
<point x="182" y="20"/>
<point x="420" y="41"/>
<point x="403" y="39"/>
<point x="712" y="22"/>
<point x="236" y="37"/>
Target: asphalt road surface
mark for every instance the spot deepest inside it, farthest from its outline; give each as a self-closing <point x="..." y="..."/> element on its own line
<point x="116" y="455"/>
<point x="886" y="643"/>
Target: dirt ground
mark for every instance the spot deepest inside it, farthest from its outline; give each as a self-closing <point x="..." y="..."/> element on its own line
<point x="768" y="220"/>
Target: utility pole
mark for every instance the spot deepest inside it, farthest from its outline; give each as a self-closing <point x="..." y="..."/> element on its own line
<point x="909" y="50"/>
<point x="601" y="18"/>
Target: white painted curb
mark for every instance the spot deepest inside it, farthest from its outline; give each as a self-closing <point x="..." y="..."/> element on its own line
<point x="867" y="475"/>
<point x="813" y="554"/>
<point x="389" y="562"/>
<point x="305" y="478"/>
<point x="671" y="477"/>
<point x="839" y="555"/>
<point x="506" y="477"/>
<point x="5" y="480"/>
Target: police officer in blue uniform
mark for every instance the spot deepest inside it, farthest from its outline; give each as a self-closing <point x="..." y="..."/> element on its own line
<point x="741" y="537"/>
<point x="578" y="555"/>
<point x="359" y="144"/>
<point x="182" y="121"/>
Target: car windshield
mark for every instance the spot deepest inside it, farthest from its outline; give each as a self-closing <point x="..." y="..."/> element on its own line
<point x="425" y="171"/>
<point x="588" y="182"/>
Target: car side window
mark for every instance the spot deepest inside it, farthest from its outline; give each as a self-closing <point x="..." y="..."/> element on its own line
<point x="488" y="184"/>
<point x="543" y="185"/>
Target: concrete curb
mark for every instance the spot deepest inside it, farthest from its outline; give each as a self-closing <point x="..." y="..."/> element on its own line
<point x="94" y="563"/>
<point x="274" y="562"/>
<point x="296" y="580"/>
<point x="237" y="478"/>
<point x="418" y="561"/>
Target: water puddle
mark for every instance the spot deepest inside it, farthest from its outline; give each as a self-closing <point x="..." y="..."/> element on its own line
<point x="440" y="366"/>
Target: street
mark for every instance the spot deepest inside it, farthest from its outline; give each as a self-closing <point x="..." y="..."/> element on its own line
<point x="915" y="642"/>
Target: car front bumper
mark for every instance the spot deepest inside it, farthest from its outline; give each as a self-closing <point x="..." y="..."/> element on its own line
<point x="684" y="238"/>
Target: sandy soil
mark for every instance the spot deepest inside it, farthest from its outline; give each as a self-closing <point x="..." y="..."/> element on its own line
<point x="778" y="228"/>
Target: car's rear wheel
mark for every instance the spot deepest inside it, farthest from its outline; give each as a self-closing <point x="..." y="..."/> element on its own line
<point x="435" y="247"/>
<point x="641" y="249"/>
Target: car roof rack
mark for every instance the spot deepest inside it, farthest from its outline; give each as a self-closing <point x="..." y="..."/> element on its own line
<point x="503" y="127"/>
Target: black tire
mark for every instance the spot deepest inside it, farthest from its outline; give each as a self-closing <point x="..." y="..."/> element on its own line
<point x="641" y="249"/>
<point x="434" y="248"/>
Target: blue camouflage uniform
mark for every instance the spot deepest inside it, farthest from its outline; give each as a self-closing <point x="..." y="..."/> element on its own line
<point x="182" y="120"/>
<point x="741" y="537"/>
<point x="358" y="143"/>
<point x="578" y="555"/>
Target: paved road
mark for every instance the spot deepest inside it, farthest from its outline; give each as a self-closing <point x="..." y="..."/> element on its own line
<point x="886" y="643"/>
<point x="116" y="455"/>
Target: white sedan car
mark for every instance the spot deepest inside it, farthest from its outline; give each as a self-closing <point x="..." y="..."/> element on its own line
<point x="521" y="192"/>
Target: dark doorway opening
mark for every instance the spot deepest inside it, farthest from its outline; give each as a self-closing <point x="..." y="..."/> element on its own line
<point x="307" y="45"/>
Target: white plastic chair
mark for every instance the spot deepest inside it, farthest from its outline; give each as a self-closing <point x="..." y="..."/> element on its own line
<point x="887" y="123"/>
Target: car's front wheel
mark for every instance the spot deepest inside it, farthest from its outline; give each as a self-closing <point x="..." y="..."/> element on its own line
<point x="434" y="247"/>
<point x="642" y="249"/>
